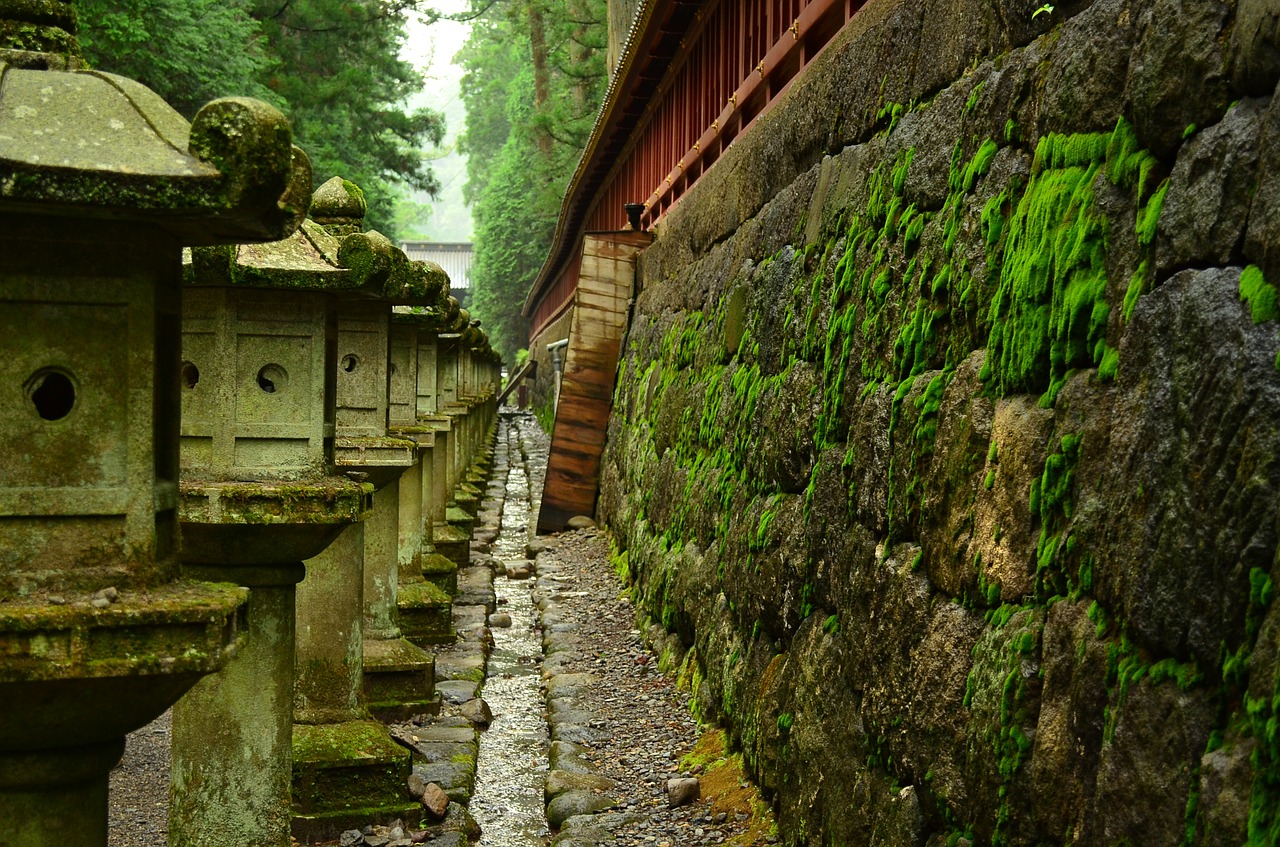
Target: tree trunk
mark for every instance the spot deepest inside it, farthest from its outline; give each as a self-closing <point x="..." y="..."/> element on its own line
<point x="541" y="75"/>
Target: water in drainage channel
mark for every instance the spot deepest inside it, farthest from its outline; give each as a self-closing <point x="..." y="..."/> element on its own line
<point x="512" y="768"/>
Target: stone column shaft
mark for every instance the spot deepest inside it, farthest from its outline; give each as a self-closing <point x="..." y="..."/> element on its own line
<point x="232" y="733"/>
<point x="330" y="620"/>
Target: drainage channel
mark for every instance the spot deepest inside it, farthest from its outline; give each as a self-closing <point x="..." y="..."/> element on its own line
<point x="512" y="765"/>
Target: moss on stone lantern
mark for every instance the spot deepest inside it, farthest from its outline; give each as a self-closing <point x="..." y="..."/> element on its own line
<point x="103" y="184"/>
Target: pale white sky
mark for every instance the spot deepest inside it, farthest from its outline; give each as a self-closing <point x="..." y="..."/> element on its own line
<point x="431" y="49"/>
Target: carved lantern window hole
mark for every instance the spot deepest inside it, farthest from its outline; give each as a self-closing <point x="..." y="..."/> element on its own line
<point x="190" y="375"/>
<point x="273" y="379"/>
<point x="52" y="393"/>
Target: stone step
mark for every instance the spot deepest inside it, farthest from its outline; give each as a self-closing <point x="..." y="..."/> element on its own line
<point x="440" y="571"/>
<point x="426" y="613"/>
<point x="345" y="776"/>
<point x="399" y="680"/>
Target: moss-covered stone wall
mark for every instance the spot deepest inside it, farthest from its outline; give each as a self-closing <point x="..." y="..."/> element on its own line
<point x="946" y="432"/>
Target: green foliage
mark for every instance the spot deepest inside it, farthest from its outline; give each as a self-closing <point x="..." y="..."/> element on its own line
<point x="1050" y="500"/>
<point x="332" y="66"/>
<point x="344" y="85"/>
<point x="187" y="51"/>
<point x="1000" y="657"/>
<point x="534" y="80"/>
<point x="1264" y="797"/>
<point x="1049" y="314"/>
<point x="1259" y="294"/>
<point x="621" y="562"/>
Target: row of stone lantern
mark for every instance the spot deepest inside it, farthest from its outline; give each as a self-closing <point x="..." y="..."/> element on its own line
<point x="104" y="623"/>
<point x="289" y="361"/>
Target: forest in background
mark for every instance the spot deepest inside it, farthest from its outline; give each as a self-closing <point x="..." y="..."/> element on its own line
<point x="332" y="66"/>
<point x="534" y="76"/>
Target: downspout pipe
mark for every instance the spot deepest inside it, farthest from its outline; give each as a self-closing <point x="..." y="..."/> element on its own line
<point x="557" y="364"/>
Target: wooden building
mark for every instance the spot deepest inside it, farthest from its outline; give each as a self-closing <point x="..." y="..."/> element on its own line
<point x="454" y="257"/>
<point x="690" y="78"/>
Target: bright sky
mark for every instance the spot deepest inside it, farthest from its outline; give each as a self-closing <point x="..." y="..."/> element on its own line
<point x="431" y="49"/>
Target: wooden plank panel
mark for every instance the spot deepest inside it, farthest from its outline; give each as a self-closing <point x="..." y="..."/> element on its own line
<point x="603" y="289"/>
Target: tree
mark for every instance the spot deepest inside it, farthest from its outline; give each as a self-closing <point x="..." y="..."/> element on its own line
<point x="332" y="66"/>
<point x="187" y="51"/>
<point x="535" y="78"/>
<point x="341" y="75"/>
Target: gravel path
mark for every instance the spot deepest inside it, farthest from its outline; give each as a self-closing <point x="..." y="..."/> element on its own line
<point x="139" y="802"/>
<point x="645" y="730"/>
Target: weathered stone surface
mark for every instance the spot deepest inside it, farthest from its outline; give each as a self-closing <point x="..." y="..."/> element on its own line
<point x="569" y="757"/>
<point x="1262" y="238"/>
<point x="477" y="711"/>
<point x="682" y="791"/>
<point x="900" y="821"/>
<point x="1210" y="192"/>
<point x="1085" y="72"/>
<point x="576" y="802"/>
<point x="558" y="782"/>
<point x="1198" y="399"/>
<point x="1177" y="75"/>
<point x="434" y="801"/>
<point x="1255" y="46"/>
<point x="1069" y="730"/>
<point x="519" y="570"/>
<point x="568" y="684"/>
<point x="1144" y="771"/>
<point x="1222" y="810"/>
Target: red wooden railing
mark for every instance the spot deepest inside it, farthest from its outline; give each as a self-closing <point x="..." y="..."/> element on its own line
<point x="733" y="64"/>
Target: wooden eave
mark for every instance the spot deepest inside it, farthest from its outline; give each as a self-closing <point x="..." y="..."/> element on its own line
<point x="656" y="40"/>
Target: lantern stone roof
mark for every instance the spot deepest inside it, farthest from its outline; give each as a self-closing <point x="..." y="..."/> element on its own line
<point x="355" y="264"/>
<point x="339" y="206"/>
<point x="85" y="144"/>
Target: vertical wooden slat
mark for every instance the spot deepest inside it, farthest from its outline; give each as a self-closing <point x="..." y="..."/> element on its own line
<point x="732" y="44"/>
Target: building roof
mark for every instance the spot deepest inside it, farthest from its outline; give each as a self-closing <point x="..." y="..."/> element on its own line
<point x="454" y="256"/>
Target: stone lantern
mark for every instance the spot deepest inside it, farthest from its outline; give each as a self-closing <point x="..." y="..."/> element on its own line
<point x="103" y="185"/>
<point x="261" y="493"/>
<point x="399" y="677"/>
<point x="427" y="579"/>
<point x="465" y="435"/>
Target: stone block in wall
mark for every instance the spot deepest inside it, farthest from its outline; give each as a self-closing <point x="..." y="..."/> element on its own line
<point x="1157" y="732"/>
<point x="1262" y="238"/>
<point x="1178" y="75"/>
<point x="1068" y="737"/>
<point x="1255" y="46"/>
<point x="1210" y="192"/>
<point x="1178" y="479"/>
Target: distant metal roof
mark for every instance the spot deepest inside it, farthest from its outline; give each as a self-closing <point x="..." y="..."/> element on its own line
<point x="453" y="256"/>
